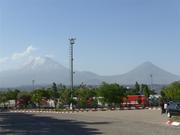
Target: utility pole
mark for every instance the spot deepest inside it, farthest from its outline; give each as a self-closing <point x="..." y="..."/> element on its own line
<point x="33" y="81"/>
<point x="72" y="42"/>
<point x="151" y="76"/>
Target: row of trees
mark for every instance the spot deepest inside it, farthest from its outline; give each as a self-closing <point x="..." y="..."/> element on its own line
<point x="83" y="96"/>
<point x="141" y="89"/>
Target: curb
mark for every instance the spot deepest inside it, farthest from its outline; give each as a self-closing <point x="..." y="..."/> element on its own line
<point x="77" y="110"/>
<point x="154" y="108"/>
<point x="21" y="111"/>
<point x="173" y="123"/>
<point x="57" y="112"/>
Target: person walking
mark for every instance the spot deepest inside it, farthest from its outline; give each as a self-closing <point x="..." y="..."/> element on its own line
<point x="165" y="107"/>
<point x="162" y="107"/>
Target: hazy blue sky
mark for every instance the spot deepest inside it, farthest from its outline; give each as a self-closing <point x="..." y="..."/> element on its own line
<point x="113" y="36"/>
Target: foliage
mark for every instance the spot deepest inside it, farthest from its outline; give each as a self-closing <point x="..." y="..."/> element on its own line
<point x="85" y="97"/>
<point x="54" y="90"/>
<point x="65" y="97"/>
<point x="38" y="95"/>
<point x="111" y="93"/>
<point x="12" y="94"/>
<point x="171" y="92"/>
<point x="24" y="99"/>
<point x="3" y="97"/>
<point x="55" y="94"/>
<point x="137" y="89"/>
<point x="145" y="90"/>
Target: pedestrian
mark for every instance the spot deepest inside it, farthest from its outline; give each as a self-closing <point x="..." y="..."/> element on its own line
<point x="165" y="107"/>
<point x="162" y="107"/>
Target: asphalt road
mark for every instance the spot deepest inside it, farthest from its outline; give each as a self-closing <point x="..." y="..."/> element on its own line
<point x="127" y="122"/>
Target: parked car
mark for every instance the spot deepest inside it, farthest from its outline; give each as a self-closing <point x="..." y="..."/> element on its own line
<point x="173" y="109"/>
<point x="3" y="109"/>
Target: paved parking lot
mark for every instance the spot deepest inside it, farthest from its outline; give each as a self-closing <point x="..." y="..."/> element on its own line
<point x="127" y="122"/>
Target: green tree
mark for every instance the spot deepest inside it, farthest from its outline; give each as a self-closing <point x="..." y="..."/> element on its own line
<point x="65" y="97"/>
<point x="61" y="87"/>
<point x="112" y="93"/>
<point x="171" y="92"/>
<point x="38" y="95"/>
<point x="163" y="95"/>
<point x="137" y="88"/>
<point x="24" y="99"/>
<point x="85" y="97"/>
<point x="145" y="90"/>
<point x="49" y="94"/>
<point x="3" y="98"/>
<point x="55" y="93"/>
<point x="12" y="94"/>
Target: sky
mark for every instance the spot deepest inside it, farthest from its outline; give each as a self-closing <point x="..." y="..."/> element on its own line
<point x="112" y="36"/>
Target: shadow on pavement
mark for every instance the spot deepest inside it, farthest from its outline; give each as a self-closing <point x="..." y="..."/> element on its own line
<point x="28" y="124"/>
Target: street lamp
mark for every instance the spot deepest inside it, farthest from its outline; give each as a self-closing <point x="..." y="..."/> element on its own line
<point x="33" y="82"/>
<point x="72" y="42"/>
<point x="151" y="76"/>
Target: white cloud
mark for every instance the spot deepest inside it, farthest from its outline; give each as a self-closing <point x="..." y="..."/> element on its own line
<point x="39" y="60"/>
<point x="49" y="56"/>
<point x="28" y="52"/>
<point x="3" y="60"/>
<point x="21" y="59"/>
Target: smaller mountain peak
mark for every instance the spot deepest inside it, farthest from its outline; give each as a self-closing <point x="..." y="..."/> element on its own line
<point x="146" y="66"/>
<point x="147" y="63"/>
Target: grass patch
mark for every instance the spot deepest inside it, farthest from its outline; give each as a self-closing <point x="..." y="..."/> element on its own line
<point x="176" y="118"/>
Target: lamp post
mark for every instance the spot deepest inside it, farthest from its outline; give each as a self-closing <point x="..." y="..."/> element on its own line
<point x="33" y="82"/>
<point x="151" y="76"/>
<point x="72" y="42"/>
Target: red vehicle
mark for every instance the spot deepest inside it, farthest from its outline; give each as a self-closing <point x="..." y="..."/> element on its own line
<point x="135" y="101"/>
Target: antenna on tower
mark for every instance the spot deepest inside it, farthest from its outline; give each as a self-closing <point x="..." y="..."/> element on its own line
<point x="33" y="82"/>
<point x="151" y="76"/>
<point x="72" y="42"/>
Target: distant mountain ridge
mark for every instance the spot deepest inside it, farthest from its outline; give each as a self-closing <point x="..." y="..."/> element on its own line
<point x="145" y="73"/>
<point x="45" y="71"/>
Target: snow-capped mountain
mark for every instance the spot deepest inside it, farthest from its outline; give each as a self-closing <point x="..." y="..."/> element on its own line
<point x="43" y="63"/>
<point x="45" y="71"/>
